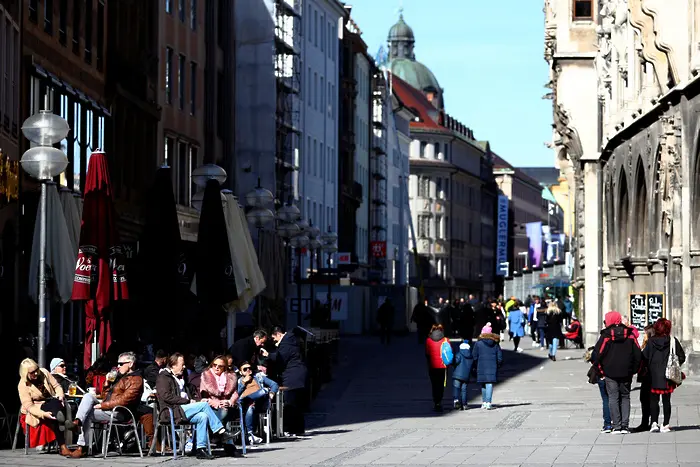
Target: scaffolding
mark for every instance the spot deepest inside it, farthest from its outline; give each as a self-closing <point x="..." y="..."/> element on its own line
<point x="378" y="168"/>
<point x="288" y="75"/>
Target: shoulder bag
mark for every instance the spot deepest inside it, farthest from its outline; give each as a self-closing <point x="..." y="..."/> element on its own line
<point x="673" y="367"/>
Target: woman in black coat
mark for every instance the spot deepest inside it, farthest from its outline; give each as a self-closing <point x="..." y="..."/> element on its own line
<point x="554" y="319"/>
<point x="656" y="355"/>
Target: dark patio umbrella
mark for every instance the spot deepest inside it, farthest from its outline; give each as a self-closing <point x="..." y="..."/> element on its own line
<point x="157" y="274"/>
<point x="215" y="281"/>
<point x="100" y="276"/>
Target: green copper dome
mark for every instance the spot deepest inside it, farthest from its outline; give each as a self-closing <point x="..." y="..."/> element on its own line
<point x="403" y="63"/>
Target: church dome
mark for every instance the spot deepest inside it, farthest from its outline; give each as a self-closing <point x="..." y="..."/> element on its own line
<point x="403" y="63"/>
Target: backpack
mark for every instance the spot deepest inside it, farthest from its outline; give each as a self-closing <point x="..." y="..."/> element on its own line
<point x="446" y="352"/>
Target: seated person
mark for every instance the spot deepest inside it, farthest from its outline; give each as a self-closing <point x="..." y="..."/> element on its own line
<point x="573" y="332"/>
<point x="58" y="371"/>
<point x="42" y="401"/>
<point x="125" y="391"/>
<point x="174" y="394"/>
<point x="150" y="373"/>
<point x="255" y="393"/>
<point x="218" y="387"/>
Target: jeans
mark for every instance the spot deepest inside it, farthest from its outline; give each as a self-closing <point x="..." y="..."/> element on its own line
<point x="201" y="415"/>
<point x="619" y="397"/>
<point x="606" y="403"/>
<point x="645" y="401"/>
<point x="666" y="398"/>
<point x="87" y="414"/>
<point x="226" y="415"/>
<point x="486" y="392"/>
<point x="258" y="407"/>
<point x="437" y="383"/>
<point x="543" y="338"/>
<point x="553" y="347"/>
<point x="459" y="392"/>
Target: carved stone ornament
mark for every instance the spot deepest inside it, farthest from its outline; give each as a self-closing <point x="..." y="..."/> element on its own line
<point x="669" y="175"/>
<point x="569" y="137"/>
<point x="642" y="19"/>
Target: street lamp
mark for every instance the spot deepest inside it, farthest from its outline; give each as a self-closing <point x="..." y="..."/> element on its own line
<point x="44" y="162"/>
<point x="329" y="239"/>
<point x="314" y="246"/>
<point x="200" y="176"/>
<point x="259" y="216"/>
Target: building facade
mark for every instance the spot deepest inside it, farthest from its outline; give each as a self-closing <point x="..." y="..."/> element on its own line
<point x="570" y="48"/>
<point x="363" y="133"/>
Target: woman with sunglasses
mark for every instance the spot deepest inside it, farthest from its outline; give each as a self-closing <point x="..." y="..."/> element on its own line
<point x="42" y="401"/>
<point x="218" y="388"/>
<point x="256" y="392"/>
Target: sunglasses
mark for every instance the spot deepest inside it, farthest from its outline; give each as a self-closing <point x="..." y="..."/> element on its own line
<point x="245" y="369"/>
<point x="62" y="365"/>
<point x="122" y="363"/>
<point x="220" y="367"/>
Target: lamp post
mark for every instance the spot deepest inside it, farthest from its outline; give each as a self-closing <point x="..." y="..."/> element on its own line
<point x="314" y="246"/>
<point x="287" y="227"/>
<point x="260" y="216"/>
<point x="44" y="162"/>
<point x="329" y="239"/>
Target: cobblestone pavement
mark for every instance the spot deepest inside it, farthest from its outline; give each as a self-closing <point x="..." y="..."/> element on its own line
<point x="377" y="412"/>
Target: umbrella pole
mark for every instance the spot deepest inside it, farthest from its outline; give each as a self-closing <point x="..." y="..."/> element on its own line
<point x="62" y="315"/>
<point x="258" y="303"/>
<point x="71" y="320"/>
<point x="42" y="279"/>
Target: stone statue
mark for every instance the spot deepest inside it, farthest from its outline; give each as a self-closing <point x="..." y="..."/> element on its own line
<point x="668" y="173"/>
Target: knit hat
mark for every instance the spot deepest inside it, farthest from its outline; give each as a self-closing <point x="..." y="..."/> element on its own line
<point x="487" y="329"/>
<point x="613" y="318"/>
<point x="54" y="363"/>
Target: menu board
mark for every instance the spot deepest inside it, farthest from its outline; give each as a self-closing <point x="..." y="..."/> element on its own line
<point x="646" y="308"/>
<point x="638" y="311"/>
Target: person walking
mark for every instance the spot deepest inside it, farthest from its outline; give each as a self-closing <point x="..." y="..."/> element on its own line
<point x="423" y="318"/>
<point x="385" y="320"/>
<point x="656" y="354"/>
<point x="618" y="357"/>
<point x="555" y="319"/>
<point x="541" y="323"/>
<point x="645" y="389"/>
<point x="516" y="324"/>
<point x="488" y="356"/>
<point x="437" y="370"/>
<point x="460" y="376"/>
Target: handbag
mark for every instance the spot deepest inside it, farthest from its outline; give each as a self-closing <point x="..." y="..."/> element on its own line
<point x="673" y="367"/>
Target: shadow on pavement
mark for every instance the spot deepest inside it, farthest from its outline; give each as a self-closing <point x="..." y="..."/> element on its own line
<point x="375" y="382"/>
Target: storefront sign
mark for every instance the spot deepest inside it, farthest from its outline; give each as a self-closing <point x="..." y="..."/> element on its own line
<point x="502" y="236"/>
<point x="378" y="249"/>
<point x="646" y="308"/>
<point x="344" y="258"/>
<point x="339" y="304"/>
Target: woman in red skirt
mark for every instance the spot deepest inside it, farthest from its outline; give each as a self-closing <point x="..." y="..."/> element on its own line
<point x="656" y="355"/>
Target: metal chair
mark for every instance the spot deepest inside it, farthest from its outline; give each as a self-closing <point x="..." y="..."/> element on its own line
<point x="169" y="430"/>
<point x="265" y="423"/>
<point x="112" y="424"/>
<point x="5" y="423"/>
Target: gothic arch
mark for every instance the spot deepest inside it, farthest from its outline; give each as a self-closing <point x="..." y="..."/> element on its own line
<point x="695" y="202"/>
<point x="640" y="235"/>
<point x="622" y="214"/>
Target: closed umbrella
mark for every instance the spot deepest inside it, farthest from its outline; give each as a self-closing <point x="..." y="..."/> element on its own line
<point x="60" y="261"/>
<point x="156" y="276"/>
<point x="236" y="243"/>
<point x="100" y="275"/>
<point x="252" y="262"/>
<point x="72" y="216"/>
<point x="215" y="280"/>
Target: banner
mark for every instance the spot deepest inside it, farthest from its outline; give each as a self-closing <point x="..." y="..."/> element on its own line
<point x="502" y="267"/>
<point x="534" y="237"/>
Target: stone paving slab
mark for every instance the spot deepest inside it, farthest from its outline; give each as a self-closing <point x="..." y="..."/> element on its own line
<point x="377" y="412"/>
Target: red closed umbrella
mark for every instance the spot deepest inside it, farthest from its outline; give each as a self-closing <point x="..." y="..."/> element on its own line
<point x="100" y="276"/>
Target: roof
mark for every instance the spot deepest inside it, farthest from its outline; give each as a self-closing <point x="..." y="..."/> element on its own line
<point x="501" y="164"/>
<point x="546" y="176"/>
<point x="401" y="30"/>
<point x="547" y="194"/>
<point x="428" y="115"/>
<point x="415" y="73"/>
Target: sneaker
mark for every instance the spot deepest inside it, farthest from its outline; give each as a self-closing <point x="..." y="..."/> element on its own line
<point x="654" y="428"/>
<point x="541" y="348"/>
<point x="488" y="406"/>
<point x="666" y="429"/>
<point x="256" y="439"/>
<point x="483" y="405"/>
<point x="606" y="429"/>
<point x="616" y="431"/>
<point x="519" y="350"/>
<point x="457" y="405"/>
<point x="624" y="431"/>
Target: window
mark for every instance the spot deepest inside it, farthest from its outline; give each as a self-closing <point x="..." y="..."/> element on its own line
<point x="583" y="9"/>
<point x="77" y="6"/>
<point x="193" y="88"/>
<point x="48" y="16"/>
<point x="424" y="187"/>
<point x="322" y="92"/>
<point x="310" y="94"/>
<point x="315" y="158"/>
<point x="167" y="149"/>
<point x="315" y="91"/>
<point x="438" y="188"/>
<point x="62" y="21"/>
<point x="193" y="15"/>
<point x="440" y="227"/>
<point x="437" y="151"/>
<point x="181" y="82"/>
<point x="168" y="6"/>
<point x="334" y="36"/>
<point x="181" y="10"/>
<point x="323" y="34"/>
<point x="88" y="31"/>
<point x="33" y="15"/>
<point x="307" y="156"/>
<point x="310" y="24"/>
<point x="423" y="226"/>
<point x="100" y="33"/>
<point x="182" y="181"/>
<point x="168" y="75"/>
<point x="316" y="28"/>
<point x="423" y="146"/>
<point x="330" y="39"/>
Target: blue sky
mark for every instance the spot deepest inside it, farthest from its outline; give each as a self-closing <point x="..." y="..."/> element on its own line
<point x="488" y="56"/>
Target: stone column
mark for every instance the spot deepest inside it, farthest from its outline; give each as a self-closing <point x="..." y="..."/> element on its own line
<point x="592" y="237"/>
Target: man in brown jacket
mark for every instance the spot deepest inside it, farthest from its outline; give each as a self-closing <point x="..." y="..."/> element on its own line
<point x="126" y="392"/>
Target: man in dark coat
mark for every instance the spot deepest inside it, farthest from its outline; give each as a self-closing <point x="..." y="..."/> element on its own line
<point x="385" y="319"/>
<point x="150" y="373"/>
<point x="617" y="357"/>
<point x="248" y="348"/>
<point x="293" y="371"/>
<point x="466" y="320"/>
<point x="424" y="320"/>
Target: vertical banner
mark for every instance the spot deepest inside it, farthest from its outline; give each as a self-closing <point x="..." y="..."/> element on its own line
<point x="502" y="267"/>
<point x="534" y="237"/>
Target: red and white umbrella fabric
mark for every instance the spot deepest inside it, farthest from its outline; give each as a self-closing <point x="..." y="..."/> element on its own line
<point x="100" y="275"/>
